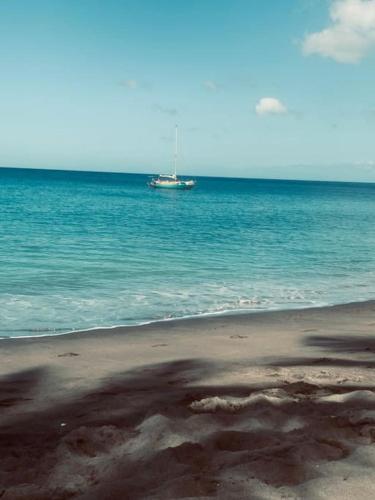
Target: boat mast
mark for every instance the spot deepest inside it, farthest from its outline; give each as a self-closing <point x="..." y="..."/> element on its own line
<point x="175" y="152"/>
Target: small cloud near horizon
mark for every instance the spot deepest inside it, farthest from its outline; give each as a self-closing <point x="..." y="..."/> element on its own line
<point x="349" y="37"/>
<point x="368" y="165"/>
<point x="130" y="84"/>
<point x="166" y="110"/>
<point x="167" y="138"/>
<point x="210" y="85"/>
<point x="270" y="106"/>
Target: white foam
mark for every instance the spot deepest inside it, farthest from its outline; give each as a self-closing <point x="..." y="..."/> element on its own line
<point x="362" y="395"/>
<point x="234" y="404"/>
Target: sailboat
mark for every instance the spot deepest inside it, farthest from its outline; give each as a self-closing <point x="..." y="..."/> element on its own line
<point x="171" y="181"/>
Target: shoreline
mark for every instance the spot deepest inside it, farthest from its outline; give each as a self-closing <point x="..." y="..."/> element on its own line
<point x="269" y="405"/>
<point x="204" y="316"/>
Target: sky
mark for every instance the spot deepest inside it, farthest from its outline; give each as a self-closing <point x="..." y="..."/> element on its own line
<point x="258" y="88"/>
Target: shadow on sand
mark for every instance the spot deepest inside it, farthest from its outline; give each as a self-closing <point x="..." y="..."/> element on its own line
<point x="347" y="344"/>
<point x="139" y="436"/>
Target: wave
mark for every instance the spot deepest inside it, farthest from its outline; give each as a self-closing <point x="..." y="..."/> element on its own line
<point x="229" y="312"/>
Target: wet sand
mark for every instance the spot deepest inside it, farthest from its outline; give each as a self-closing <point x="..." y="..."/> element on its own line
<point x="260" y="406"/>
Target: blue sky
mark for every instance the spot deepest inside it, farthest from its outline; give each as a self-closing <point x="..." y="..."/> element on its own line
<point x="271" y="88"/>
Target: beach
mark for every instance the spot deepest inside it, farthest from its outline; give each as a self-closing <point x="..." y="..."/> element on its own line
<point x="264" y="405"/>
<point x="187" y="264"/>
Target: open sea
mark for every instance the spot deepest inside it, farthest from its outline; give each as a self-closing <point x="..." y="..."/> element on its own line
<point x="80" y="250"/>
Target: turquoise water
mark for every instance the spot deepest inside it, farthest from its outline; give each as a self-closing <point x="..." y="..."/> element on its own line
<point x="82" y="250"/>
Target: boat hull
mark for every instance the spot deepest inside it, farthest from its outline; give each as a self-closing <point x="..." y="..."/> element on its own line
<point x="172" y="185"/>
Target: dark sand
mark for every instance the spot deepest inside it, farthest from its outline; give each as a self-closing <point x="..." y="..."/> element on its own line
<point x="261" y="406"/>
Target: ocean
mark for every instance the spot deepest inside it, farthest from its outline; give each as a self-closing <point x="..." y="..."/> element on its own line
<point x="80" y="250"/>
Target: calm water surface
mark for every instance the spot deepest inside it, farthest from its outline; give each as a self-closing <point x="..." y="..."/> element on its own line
<point x="81" y="250"/>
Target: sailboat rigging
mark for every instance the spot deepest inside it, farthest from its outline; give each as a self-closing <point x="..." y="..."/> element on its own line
<point x="171" y="181"/>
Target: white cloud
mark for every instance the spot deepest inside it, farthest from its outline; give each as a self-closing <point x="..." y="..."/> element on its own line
<point x="368" y="165"/>
<point x="351" y="34"/>
<point x="165" y="110"/>
<point x="210" y="85"/>
<point x="130" y="84"/>
<point x="270" y="106"/>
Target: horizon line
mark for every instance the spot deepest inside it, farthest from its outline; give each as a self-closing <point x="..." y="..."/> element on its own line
<point x="51" y="169"/>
